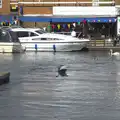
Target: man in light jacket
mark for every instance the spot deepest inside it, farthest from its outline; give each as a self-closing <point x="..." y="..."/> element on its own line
<point x="73" y="33"/>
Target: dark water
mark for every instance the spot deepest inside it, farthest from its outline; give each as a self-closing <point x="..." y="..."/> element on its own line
<point x="90" y="92"/>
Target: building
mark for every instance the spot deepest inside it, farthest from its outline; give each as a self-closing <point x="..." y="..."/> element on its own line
<point x="44" y="9"/>
<point x="4" y="7"/>
<point x="41" y="13"/>
<point x="4" y="10"/>
<point x="46" y="6"/>
<point x="117" y="2"/>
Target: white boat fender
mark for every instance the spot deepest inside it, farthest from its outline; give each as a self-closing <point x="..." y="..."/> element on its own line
<point x="54" y="48"/>
<point x="36" y="47"/>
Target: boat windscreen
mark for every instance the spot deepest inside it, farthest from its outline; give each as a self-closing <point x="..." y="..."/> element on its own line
<point x="14" y="26"/>
<point x="40" y="31"/>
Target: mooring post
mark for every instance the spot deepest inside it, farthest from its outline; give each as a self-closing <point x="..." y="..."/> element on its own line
<point x="3" y="50"/>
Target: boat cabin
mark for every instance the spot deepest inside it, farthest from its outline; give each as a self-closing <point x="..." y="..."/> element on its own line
<point x="6" y="35"/>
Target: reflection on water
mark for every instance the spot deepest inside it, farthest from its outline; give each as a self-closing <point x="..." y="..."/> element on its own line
<point x="90" y="92"/>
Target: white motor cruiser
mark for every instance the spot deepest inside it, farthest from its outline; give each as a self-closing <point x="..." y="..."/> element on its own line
<point x="33" y="39"/>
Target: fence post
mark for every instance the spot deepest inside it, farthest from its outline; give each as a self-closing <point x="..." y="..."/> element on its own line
<point x="95" y="43"/>
<point x="104" y="43"/>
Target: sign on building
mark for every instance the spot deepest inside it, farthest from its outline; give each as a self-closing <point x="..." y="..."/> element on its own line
<point x="95" y="2"/>
<point x="85" y="11"/>
<point x="118" y="26"/>
<point x="0" y="3"/>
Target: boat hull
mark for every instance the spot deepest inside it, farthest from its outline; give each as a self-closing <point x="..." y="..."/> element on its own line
<point x="10" y="47"/>
<point x="51" y="47"/>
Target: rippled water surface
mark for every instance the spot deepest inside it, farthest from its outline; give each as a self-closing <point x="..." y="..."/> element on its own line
<point x="90" y="92"/>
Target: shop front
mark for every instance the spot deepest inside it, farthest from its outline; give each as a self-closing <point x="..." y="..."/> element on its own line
<point x="95" y="27"/>
<point x="93" y="21"/>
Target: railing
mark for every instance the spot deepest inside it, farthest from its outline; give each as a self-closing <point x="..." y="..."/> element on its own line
<point x="96" y="43"/>
<point x="103" y="43"/>
<point x="78" y="34"/>
<point x="64" y="33"/>
<point x="66" y="2"/>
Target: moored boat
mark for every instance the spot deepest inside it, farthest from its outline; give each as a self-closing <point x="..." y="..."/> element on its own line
<point x="36" y="39"/>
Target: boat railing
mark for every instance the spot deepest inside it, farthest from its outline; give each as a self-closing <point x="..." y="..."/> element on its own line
<point x="65" y="33"/>
<point x="78" y="34"/>
<point x="8" y="27"/>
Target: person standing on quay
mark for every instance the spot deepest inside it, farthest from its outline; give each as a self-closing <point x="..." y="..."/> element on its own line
<point x="73" y="33"/>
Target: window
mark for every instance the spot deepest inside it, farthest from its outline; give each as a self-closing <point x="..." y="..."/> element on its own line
<point x="56" y="39"/>
<point x="40" y="31"/>
<point x="43" y="38"/>
<point x="16" y="26"/>
<point x="47" y="39"/>
<point x="22" y="34"/>
<point x="13" y="8"/>
<point x="26" y="34"/>
<point x="40" y="39"/>
<point x="32" y="34"/>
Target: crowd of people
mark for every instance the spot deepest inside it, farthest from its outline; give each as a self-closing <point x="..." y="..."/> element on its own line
<point x="67" y="28"/>
<point x="94" y="30"/>
<point x="61" y="27"/>
<point x="9" y="23"/>
<point x="78" y="29"/>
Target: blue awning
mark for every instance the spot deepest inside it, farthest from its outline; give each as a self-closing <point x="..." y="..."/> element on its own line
<point x="34" y="19"/>
<point x="6" y="18"/>
<point x="102" y="20"/>
<point x="65" y="19"/>
<point x="57" y="19"/>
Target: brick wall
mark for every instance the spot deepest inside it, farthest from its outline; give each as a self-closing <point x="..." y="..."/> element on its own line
<point x="37" y="24"/>
<point x="47" y="8"/>
<point x="117" y="2"/>
<point x="5" y="10"/>
<point x="37" y="10"/>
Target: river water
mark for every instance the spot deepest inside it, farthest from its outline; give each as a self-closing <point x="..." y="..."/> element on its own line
<point x="90" y="92"/>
